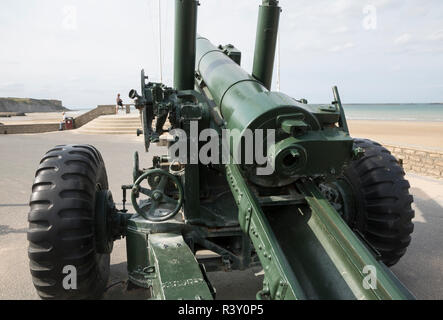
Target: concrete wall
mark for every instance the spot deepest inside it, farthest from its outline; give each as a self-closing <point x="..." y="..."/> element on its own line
<point x="29" y="128"/>
<point x="11" y="114"/>
<point x="49" y="127"/>
<point x="428" y="163"/>
<point x="103" y="110"/>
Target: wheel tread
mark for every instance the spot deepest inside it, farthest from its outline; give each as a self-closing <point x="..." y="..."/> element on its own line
<point x="61" y="222"/>
<point x="384" y="212"/>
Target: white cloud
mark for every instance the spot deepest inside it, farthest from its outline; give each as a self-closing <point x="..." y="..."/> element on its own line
<point x="341" y="29"/>
<point x="339" y="48"/>
<point x="403" y="39"/>
<point x="436" y="36"/>
<point x="114" y="41"/>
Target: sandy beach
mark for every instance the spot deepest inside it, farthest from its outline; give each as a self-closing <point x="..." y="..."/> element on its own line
<point x="424" y="135"/>
<point x="427" y="135"/>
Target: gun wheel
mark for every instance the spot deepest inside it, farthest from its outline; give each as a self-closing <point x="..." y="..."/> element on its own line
<point x="62" y="231"/>
<point x="382" y="202"/>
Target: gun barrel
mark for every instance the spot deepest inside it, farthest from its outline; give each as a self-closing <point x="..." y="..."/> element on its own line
<point x="219" y="72"/>
<point x="247" y="105"/>
<point x="240" y="97"/>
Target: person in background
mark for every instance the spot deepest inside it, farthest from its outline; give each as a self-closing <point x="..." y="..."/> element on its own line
<point x="63" y="122"/>
<point x="119" y="103"/>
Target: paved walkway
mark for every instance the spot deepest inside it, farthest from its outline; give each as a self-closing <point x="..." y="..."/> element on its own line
<point x="40" y="117"/>
<point x="421" y="269"/>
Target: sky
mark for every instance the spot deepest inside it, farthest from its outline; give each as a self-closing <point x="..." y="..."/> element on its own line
<point x="84" y="52"/>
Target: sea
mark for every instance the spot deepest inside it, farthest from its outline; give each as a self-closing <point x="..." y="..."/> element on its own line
<point x="383" y="112"/>
<point x="425" y="112"/>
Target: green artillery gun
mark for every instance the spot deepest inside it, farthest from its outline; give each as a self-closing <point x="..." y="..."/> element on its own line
<point x="324" y="215"/>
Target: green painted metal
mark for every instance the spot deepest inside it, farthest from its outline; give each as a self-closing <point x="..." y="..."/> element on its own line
<point x="137" y="251"/>
<point x="280" y="282"/>
<point x="233" y="90"/>
<point x="159" y="259"/>
<point x="246" y="104"/>
<point x="308" y="251"/>
<point x="184" y="52"/>
<point x="232" y="52"/>
<point x="157" y="196"/>
<point x="343" y="122"/>
<point x="266" y="40"/>
<point x="175" y="270"/>
<point x="138" y="230"/>
<point x="348" y="254"/>
<point x="184" y="66"/>
<point x="280" y="221"/>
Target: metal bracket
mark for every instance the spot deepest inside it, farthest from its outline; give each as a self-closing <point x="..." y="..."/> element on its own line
<point x="253" y="222"/>
<point x="178" y="275"/>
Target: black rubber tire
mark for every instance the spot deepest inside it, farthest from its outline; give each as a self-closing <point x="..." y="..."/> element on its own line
<point x="61" y="223"/>
<point x="383" y="212"/>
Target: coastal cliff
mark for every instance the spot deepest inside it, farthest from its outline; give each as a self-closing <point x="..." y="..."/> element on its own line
<point x="25" y="105"/>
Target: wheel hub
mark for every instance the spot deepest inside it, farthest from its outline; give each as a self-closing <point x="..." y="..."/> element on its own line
<point x="104" y="208"/>
<point x="157" y="196"/>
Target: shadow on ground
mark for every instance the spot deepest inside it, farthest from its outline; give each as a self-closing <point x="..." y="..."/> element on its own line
<point x="4" y="230"/>
<point x="234" y="285"/>
<point x="425" y="249"/>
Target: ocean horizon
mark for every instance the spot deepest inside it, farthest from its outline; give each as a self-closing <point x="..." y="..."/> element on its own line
<point x="425" y="112"/>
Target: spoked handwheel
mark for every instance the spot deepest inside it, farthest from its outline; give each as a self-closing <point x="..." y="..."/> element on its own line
<point x="161" y="205"/>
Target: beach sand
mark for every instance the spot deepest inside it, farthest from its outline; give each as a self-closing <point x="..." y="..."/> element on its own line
<point x="422" y="135"/>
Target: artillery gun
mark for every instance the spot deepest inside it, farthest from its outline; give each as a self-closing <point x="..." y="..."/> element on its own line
<point x="320" y="215"/>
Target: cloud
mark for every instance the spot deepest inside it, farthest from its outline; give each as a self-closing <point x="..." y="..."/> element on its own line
<point x="420" y="42"/>
<point x="436" y="36"/>
<point x="12" y="88"/>
<point x="341" y="29"/>
<point x="403" y="39"/>
<point x="321" y="39"/>
<point x="339" y="48"/>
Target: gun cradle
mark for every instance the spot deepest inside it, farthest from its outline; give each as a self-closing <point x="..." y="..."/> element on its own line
<point x="322" y="215"/>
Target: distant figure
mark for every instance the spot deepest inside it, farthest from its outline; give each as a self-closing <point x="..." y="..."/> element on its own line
<point x="119" y="103"/>
<point x="63" y="122"/>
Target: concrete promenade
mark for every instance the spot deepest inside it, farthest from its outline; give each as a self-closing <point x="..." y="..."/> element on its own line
<point x="50" y="121"/>
<point x="420" y="270"/>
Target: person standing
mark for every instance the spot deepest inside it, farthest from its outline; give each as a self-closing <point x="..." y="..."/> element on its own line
<point x="62" y="123"/>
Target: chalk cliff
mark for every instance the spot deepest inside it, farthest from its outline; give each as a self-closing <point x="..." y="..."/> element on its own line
<point x="30" y="105"/>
